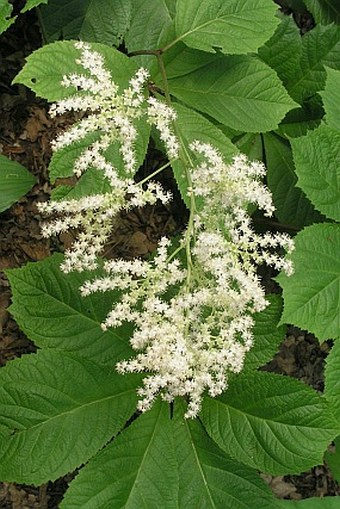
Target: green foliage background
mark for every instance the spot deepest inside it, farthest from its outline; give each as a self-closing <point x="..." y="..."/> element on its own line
<point x="242" y="78"/>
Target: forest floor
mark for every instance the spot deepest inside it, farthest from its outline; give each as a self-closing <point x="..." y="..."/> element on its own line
<point x="25" y="135"/>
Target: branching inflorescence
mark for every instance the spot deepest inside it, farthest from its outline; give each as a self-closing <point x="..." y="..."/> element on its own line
<point x="192" y="305"/>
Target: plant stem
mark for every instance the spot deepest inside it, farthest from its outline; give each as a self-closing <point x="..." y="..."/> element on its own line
<point x="165" y="78"/>
<point x="141" y="182"/>
<point x="187" y="163"/>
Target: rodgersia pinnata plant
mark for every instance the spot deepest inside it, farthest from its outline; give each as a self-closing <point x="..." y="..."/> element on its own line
<point x="172" y="342"/>
<point x="186" y="344"/>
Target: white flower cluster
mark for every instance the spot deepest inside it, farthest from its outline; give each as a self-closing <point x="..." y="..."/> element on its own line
<point x="162" y="115"/>
<point x="194" y="326"/>
<point x="110" y="117"/>
<point x="192" y="306"/>
<point x="94" y="217"/>
<point x="110" y="114"/>
<point x="227" y="191"/>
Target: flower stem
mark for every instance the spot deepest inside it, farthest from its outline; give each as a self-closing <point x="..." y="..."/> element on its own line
<point x="187" y="163"/>
<point x="141" y="182"/>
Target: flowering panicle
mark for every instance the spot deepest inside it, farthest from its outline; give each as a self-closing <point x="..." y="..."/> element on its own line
<point x="192" y="313"/>
<point x="227" y="191"/>
<point x="111" y="114"/>
<point x="94" y="217"/>
<point x="191" y="341"/>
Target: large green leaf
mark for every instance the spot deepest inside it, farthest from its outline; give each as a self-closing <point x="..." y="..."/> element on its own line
<point x="168" y="463"/>
<point x="311" y="294"/>
<point x="15" y="181"/>
<point x="324" y="11"/>
<point x="208" y="478"/>
<point x="138" y="469"/>
<point x="267" y="334"/>
<point x="45" y="68"/>
<point x="320" y="47"/>
<point x="283" y="50"/>
<point x="236" y="26"/>
<point x="49" y="308"/>
<point x="273" y="423"/>
<point x="331" y="98"/>
<point x="102" y="21"/>
<point x="181" y="60"/>
<point x="239" y="91"/>
<point x="191" y="126"/>
<point x="56" y="411"/>
<point x="292" y="206"/>
<point x="151" y="26"/>
<point x="317" y="163"/>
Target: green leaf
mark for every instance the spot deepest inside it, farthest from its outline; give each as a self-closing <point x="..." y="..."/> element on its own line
<point x="6" y="10"/>
<point x="210" y="479"/>
<point x="192" y="126"/>
<point x="48" y="307"/>
<point x="292" y="206"/>
<point x="30" y="4"/>
<point x="332" y="393"/>
<point x="251" y="145"/>
<point x="283" y="50"/>
<point x="168" y="463"/>
<point x="317" y="162"/>
<point x="56" y="411"/>
<point x="45" y="68"/>
<point x="151" y="26"/>
<point x="15" y="181"/>
<point x="239" y="91"/>
<point x="333" y="460"/>
<point x="324" y="11"/>
<point x="311" y="294"/>
<point x="138" y="469"/>
<point x="311" y="503"/>
<point x="181" y="60"/>
<point x="332" y="380"/>
<point x="320" y="47"/>
<point x="63" y="160"/>
<point x="91" y="183"/>
<point x="331" y="98"/>
<point x="267" y="334"/>
<point x="236" y="26"/>
<point x="299" y="121"/>
<point x="273" y="423"/>
<point x="5" y="15"/>
<point x="104" y="21"/>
